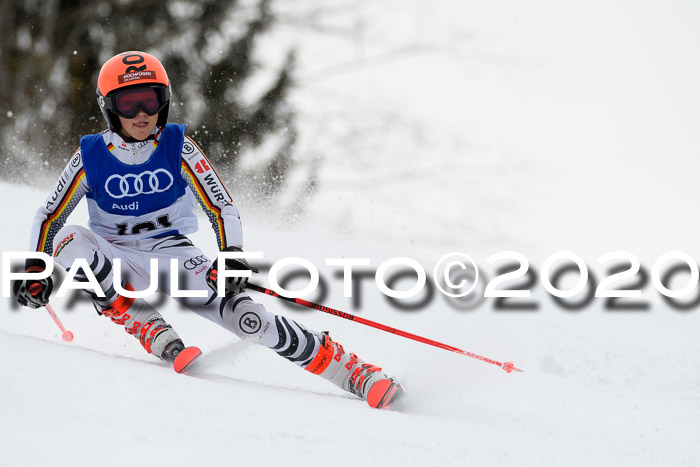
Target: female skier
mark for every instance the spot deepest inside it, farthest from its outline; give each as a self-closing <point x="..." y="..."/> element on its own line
<point x="141" y="178"/>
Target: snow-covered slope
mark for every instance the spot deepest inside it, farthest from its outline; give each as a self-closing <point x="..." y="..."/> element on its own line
<point x="599" y="388"/>
<point x="534" y="126"/>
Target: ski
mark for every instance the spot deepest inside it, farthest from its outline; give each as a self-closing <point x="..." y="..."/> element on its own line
<point x="385" y="394"/>
<point x="186" y="358"/>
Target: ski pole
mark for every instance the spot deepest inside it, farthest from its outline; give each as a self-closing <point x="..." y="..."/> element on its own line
<point x="507" y="366"/>
<point x="67" y="335"/>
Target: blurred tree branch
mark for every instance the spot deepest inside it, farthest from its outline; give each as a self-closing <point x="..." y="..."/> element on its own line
<point x="52" y="51"/>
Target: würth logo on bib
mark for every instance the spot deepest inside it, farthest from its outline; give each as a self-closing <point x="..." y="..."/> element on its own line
<point x="137" y="75"/>
<point x="146" y="183"/>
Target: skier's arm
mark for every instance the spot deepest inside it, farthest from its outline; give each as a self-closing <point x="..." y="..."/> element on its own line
<point x="68" y="191"/>
<point x="212" y="195"/>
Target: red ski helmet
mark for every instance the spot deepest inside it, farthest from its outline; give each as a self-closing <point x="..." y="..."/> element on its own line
<point x="132" y="70"/>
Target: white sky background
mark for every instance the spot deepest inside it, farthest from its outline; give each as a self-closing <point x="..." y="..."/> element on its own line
<point x="482" y="126"/>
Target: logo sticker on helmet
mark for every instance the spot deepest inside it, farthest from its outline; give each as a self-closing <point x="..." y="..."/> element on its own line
<point x="146" y="74"/>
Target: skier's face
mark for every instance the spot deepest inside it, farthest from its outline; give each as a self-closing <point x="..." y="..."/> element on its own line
<point x="140" y="126"/>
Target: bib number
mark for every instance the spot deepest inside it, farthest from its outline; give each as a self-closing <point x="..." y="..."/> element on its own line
<point x="161" y="222"/>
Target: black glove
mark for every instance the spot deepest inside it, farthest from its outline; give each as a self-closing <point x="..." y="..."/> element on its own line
<point x="33" y="293"/>
<point x="233" y="285"/>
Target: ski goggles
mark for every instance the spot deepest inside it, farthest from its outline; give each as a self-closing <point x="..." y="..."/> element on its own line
<point x="128" y="102"/>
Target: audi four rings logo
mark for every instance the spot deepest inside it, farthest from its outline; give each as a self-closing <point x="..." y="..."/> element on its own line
<point x="145" y="183"/>
<point x="196" y="261"/>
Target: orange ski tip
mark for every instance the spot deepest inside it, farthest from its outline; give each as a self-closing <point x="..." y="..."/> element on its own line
<point x="382" y="393"/>
<point x="186" y="358"/>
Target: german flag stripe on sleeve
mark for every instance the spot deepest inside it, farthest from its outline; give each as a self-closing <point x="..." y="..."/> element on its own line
<point x="213" y="211"/>
<point x="46" y="225"/>
<point x="212" y="168"/>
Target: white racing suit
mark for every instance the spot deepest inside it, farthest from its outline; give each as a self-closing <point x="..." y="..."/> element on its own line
<point x="141" y="199"/>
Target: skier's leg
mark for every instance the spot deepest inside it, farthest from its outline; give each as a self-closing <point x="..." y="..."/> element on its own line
<point x="136" y="315"/>
<point x="315" y="352"/>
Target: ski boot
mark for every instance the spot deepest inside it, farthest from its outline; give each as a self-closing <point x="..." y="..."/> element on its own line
<point x="155" y="335"/>
<point x="376" y="387"/>
<point x="349" y="372"/>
